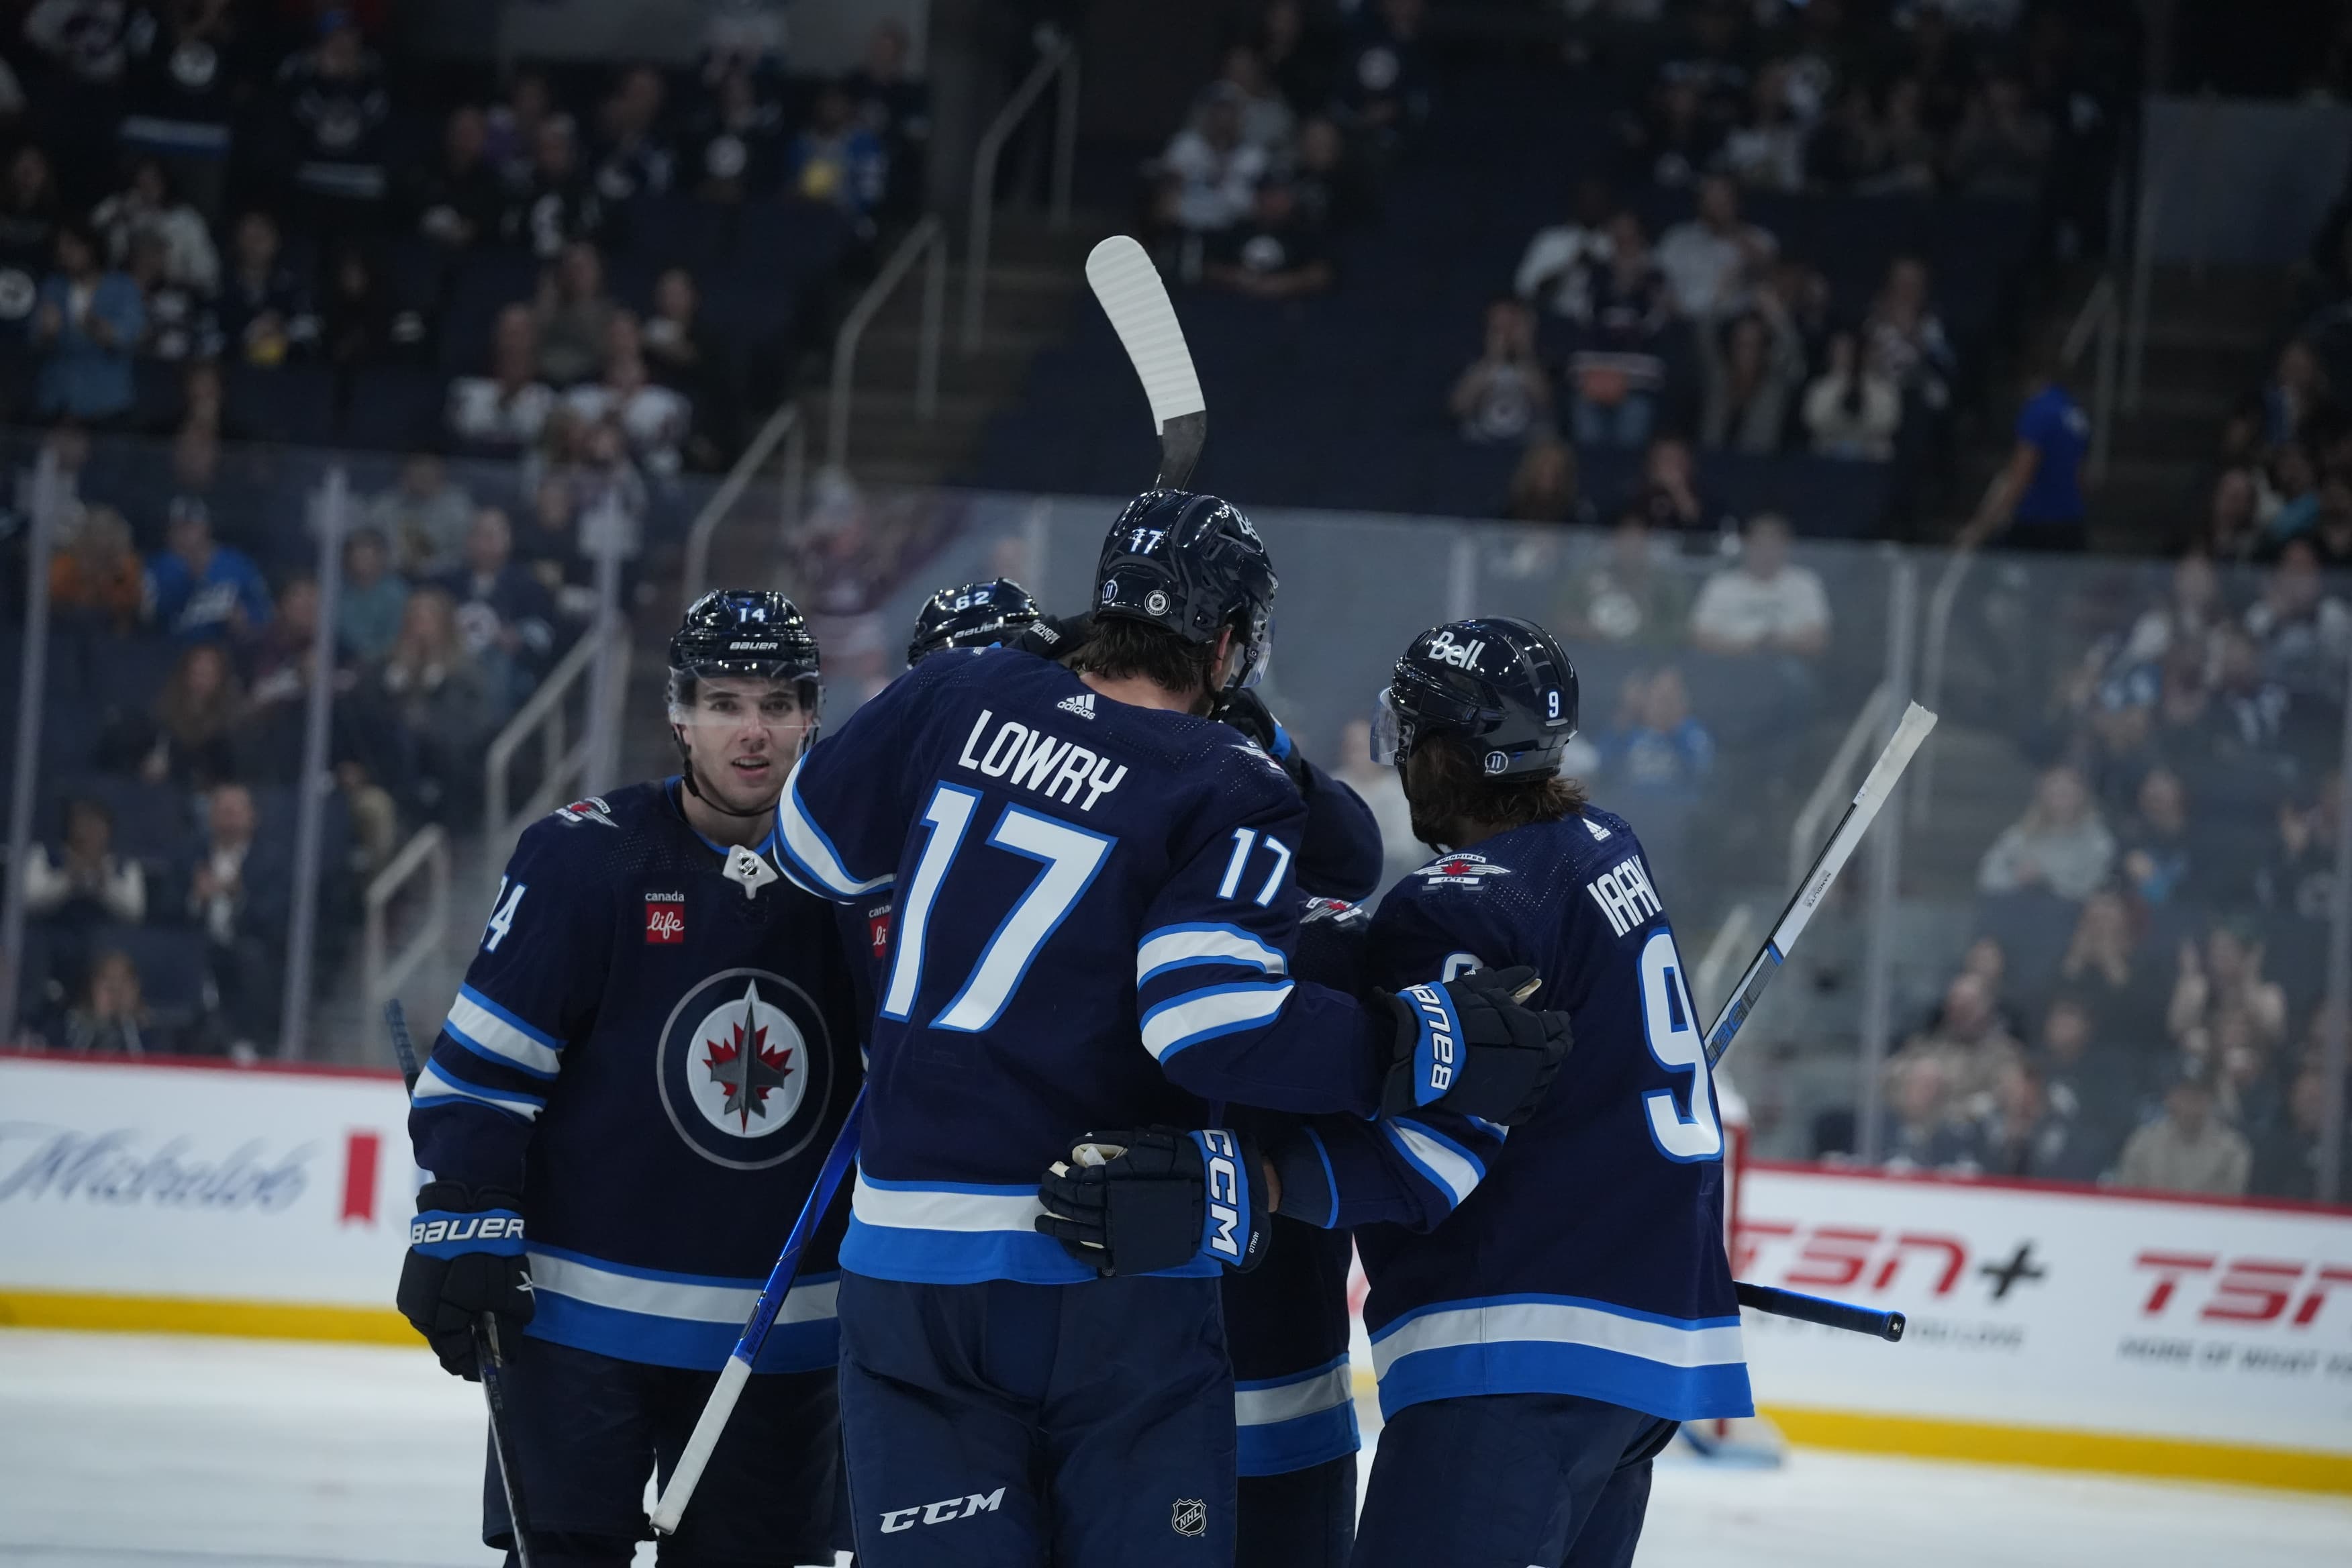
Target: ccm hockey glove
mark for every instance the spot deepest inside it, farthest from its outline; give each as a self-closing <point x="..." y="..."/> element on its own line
<point x="1246" y="711"/>
<point x="1137" y="1203"/>
<point x="1468" y="1044"/>
<point x="465" y="1258"/>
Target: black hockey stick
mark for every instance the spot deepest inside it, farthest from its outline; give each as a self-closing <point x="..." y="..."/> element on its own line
<point x="1135" y="299"/>
<point x="488" y="1353"/>
<point x="1829" y="1314"/>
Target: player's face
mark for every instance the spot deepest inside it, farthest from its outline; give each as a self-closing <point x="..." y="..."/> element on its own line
<point x="745" y="734"/>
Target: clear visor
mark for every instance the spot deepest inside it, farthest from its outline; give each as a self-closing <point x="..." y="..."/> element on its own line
<point x="729" y="711"/>
<point x="1389" y="730"/>
<point x="1258" y="656"/>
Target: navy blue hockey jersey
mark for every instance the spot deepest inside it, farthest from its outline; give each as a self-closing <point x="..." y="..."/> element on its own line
<point x="656" y="1045"/>
<point x="1094" y="916"/>
<point x="1582" y="1251"/>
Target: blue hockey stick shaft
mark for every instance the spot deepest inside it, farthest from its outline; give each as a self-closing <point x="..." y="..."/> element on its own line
<point x="489" y="1354"/>
<point x="1887" y="1326"/>
<point x="688" y="1474"/>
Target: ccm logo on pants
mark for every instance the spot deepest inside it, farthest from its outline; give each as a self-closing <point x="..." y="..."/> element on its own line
<point x="898" y="1518"/>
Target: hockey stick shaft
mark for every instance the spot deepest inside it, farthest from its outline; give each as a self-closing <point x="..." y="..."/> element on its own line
<point x="1829" y="1314"/>
<point x="687" y="1473"/>
<point x="489" y="1354"/>
<point x="1876" y="785"/>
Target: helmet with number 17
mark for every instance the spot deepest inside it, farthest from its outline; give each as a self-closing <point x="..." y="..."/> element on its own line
<point x="1194" y="565"/>
<point x="977" y="615"/>
<point x="1501" y="686"/>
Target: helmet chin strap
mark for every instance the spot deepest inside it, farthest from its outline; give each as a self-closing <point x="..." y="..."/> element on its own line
<point x="687" y="770"/>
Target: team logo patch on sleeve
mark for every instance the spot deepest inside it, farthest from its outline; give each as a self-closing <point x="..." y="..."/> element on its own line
<point x="1460" y="870"/>
<point x="745" y="1069"/>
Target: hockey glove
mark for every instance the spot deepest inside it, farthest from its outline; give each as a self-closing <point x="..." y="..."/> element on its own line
<point x="1470" y="1045"/>
<point x="1137" y="1203"/>
<point x="1056" y="637"/>
<point x="465" y="1258"/>
<point x="1246" y="711"/>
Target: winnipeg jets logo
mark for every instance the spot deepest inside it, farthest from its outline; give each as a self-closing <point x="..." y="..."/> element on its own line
<point x="745" y="1069"/>
<point x="1082" y="705"/>
<point x="594" y="808"/>
<point x="1466" y="871"/>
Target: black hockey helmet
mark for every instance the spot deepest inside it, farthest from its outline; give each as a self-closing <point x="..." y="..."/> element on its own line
<point x="1501" y="684"/>
<point x="974" y="616"/>
<point x="754" y="632"/>
<point x="1195" y="565"/>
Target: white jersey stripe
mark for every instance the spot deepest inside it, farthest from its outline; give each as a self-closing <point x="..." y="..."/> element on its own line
<point x="1173" y="947"/>
<point x="1560" y="1323"/>
<point x="552" y="1276"/>
<point x="920" y="1208"/>
<point x="1202" y="1015"/>
<point x="1288" y="1402"/>
<point x="493" y="1036"/>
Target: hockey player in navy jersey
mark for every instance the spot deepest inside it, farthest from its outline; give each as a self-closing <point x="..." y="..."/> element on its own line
<point x="650" y="1057"/>
<point x="1547" y="1303"/>
<point x="1095" y="925"/>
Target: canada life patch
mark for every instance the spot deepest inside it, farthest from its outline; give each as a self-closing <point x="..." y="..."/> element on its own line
<point x="665" y="918"/>
<point x="877" y="934"/>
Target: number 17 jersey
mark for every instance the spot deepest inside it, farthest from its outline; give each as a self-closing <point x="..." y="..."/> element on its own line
<point x="1094" y="928"/>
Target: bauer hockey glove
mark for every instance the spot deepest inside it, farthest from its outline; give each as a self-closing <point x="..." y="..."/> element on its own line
<point x="465" y="1258"/>
<point x="1469" y="1044"/>
<point x="1246" y="711"/>
<point x="1137" y="1203"/>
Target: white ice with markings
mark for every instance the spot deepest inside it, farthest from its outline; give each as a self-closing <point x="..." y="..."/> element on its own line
<point x="137" y="1451"/>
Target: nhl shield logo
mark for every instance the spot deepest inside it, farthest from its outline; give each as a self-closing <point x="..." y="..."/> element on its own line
<point x="1190" y="1515"/>
<point x="745" y="1069"/>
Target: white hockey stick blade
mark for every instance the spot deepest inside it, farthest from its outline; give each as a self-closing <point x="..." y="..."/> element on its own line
<point x="1876" y="785"/>
<point x="1136" y="300"/>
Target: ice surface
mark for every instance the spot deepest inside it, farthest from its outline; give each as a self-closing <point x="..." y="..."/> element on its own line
<point x="136" y="1451"/>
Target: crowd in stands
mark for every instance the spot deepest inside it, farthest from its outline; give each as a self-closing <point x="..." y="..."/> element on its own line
<point x="230" y="222"/>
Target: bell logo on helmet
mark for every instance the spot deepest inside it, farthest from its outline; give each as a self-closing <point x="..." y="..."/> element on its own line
<point x="1461" y="656"/>
<point x="1497" y="761"/>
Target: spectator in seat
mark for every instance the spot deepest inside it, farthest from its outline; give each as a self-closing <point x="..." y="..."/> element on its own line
<point x="2301" y="631"/>
<point x="1674" y="142"/>
<point x="1297" y="53"/>
<point x="1210" y="174"/>
<point x="194" y="64"/>
<point x="1851" y="410"/>
<point x="1713" y="260"/>
<point x="29" y="215"/>
<point x="375" y="597"/>
<point x="184" y="739"/>
<point x="198" y="589"/>
<point x="1551" y="270"/>
<point x="180" y="323"/>
<point x="460" y="199"/>
<point x="2003" y="144"/>
<point x="239" y="896"/>
<point x="1967" y="1041"/>
<point x="1629" y="597"/>
<point x="836" y="161"/>
<point x="1668" y="496"/>
<point x="266" y="316"/>
<point x="636" y="158"/>
<point x="2286" y="1163"/>
<point x="95" y="574"/>
<point x="504" y="614"/>
<point x="430" y="701"/>
<point x="1765" y="605"/>
<point x="653" y="420"/>
<point x="2097" y="1087"/>
<point x="2294" y="885"/>
<point x="85" y="883"/>
<point x="1382" y="86"/>
<point x="737" y="141"/>
<point x="1267" y="121"/>
<point x="1616" y="369"/>
<point x="2188" y="1149"/>
<point x="573" y="318"/>
<point x="1334" y="192"/>
<point x="1657" y="751"/>
<point x="896" y="108"/>
<point x="1907" y="149"/>
<point x="2118" y="983"/>
<point x="1923" y="1135"/>
<point x="2059" y="844"/>
<point x="1503" y="394"/>
<point x="2036" y="499"/>
<point x="2160" y="863"/>
<point x="2297" y="390"/>
<point x="2030" y="1134"/>
<point x="110" y="1018"/>
<point x="555" y="205"/>
<point x="2232" y="531"/>
<point x="1544" y="487"/>
<point x="507" y="409"/>
<point x="86" y="327"/>
<point x="1904" y="338"/>
<point x="149" y="206"/>
<point x="1765" y="151"/>
<point x="2221" y="983"/>
<point x="1755" y="365"/>
<point x="1846" y="150"/>
<point x="1271" y="254"/>
<point x="424" y="517"/>
<point x="336" y="110"/>
<point x="513" y="126"/>
<point x="360" y="323"/>
<point x="685" y="351"/>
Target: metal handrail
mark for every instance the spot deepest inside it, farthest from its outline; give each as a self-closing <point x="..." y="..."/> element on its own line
<point x="382" y="976"/>
<point x="1940" y="602"/>
<point x="541" y="717"/>
<point x="1830" y="795"/>
<point x="1059" y="58"/>
<point x="784" y="424"/>
<point x="926" y="238"/>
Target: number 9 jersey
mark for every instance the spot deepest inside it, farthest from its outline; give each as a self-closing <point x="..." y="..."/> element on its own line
<point x="1583" y="1252"/>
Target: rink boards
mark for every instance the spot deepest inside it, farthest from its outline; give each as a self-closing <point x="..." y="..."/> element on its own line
<point x="2065" y="1327"/>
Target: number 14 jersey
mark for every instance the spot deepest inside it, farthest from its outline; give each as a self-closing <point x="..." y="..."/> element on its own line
<point x="1094" y="927"/>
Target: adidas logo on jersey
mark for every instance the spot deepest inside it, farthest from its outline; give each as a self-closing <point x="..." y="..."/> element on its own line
<point x="1082" y="705"/>
<point x="1594" y="828"/>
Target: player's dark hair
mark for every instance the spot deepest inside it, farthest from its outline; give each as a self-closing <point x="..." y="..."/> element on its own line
<point x="1447" y="785"/>
<point x="1122" y="648"/>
